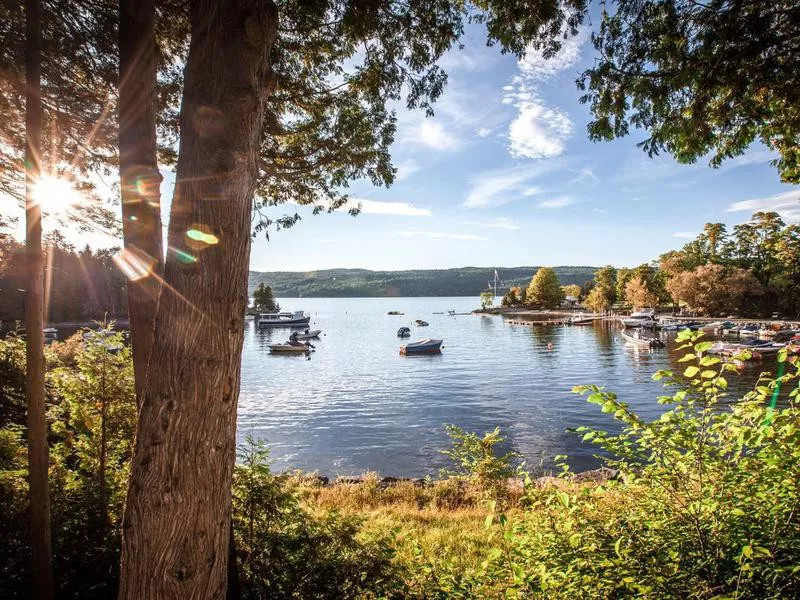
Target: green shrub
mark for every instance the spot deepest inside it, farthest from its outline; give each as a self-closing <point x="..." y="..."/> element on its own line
<point x="283" y="551"/>
<point x="706" y="507"/>
<point x="477" y="459"/>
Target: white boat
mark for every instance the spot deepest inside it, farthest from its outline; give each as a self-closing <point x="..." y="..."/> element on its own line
<point x="284" y="319"/>
<point x="710" y="327"/>
<point x="670" y="324"/>
<point x="582" y="319"/>
<point x="650" y="342"/>
<point x="307" y="335"/>
<point x="644" y="317"/>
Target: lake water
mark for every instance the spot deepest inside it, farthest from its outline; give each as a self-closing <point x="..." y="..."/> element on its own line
<point x="357" y="405"/>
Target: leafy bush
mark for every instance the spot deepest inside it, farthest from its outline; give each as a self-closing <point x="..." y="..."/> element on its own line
<point x="283" y="551"/>
<point x="478" y="461"/>
<point x="706" y="507"/>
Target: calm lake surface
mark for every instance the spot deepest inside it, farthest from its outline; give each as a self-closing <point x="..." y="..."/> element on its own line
<point x="358" y="405"/>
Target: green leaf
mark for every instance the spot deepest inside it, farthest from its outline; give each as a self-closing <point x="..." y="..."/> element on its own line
<point x="691" y="371"/>
<point x="707" y="361"/>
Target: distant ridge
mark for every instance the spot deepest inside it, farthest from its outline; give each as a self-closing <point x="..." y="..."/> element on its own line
<point x="352" y="283"/>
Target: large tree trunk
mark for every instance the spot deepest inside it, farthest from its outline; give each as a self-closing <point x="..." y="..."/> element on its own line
<point x="139" y="176"/>
<point x="176" y="526"/>
<point x="38" y="455"/>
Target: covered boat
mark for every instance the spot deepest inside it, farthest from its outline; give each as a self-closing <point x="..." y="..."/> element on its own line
<point x="284" y="319"/>
<point x="426" y="346"/>
<point x="289" y="348"/>
<point x="644" y="317"/>
<point x="404" y="332"/>
<point x="421" y="323"/>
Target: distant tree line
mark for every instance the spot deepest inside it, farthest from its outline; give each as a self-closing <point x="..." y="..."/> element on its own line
<point x="752" y="271"/>
<point x="80" y="285"/>
<point x="350" y="283"/>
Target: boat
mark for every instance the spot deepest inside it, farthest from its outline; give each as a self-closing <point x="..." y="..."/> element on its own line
<point x="307" y="335"/>
<point x="284" y="319"/>
<point x="290" y="348"/>
<point x="452" y="313"/>
<point x="582" y="319"/>
<point x="749" y="330"/>
<point x="395" y="312"/>
<point x="50" y="334"/>
<point x="670" y="324"/>
<point x="640" y="318"/>
<point x="426" y="346"/>
<point x="421" y="323"/>
<point x="404" y="332"/>
<point x="650" y="342"/>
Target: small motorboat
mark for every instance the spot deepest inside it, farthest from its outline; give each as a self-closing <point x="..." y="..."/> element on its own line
<point x="284" y="319"/>
<point x="50" y="334"/>
<point x="670" y="324"/>
<point x="404" y="332"/>
<point x="427" y="346"/>
<point x="452" y="313"/>
<point x="395" y="312"/>
<point x="291" y="348"/>
<point x="307" y="335"/>
<point x="421" y="323"/>
<point x="650" y="342"/>
<point x="579" y="319"/>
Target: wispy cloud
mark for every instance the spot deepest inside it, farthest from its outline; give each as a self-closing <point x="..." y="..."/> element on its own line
<point x="686" y="235"/>
<point x="559" y="202"/>
<point x="584" y="174"/>
<point x="601" y="211"/>
<point x="400" y="209"/>
<point x="500" y="186"/>
<point x="406" y="169"/>
<point x="538" y="130"/>
<point x="442" y="235"/>
<point x="483" y="131"/>
<point x="433" y="134"/>
<point x="787" y="205"/>
<point x="495" y="223"/>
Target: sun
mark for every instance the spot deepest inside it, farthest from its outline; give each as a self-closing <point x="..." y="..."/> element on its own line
<point x="55" y="195"/>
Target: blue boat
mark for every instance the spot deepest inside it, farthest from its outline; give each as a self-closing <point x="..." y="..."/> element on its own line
<point x="427" y="346"/>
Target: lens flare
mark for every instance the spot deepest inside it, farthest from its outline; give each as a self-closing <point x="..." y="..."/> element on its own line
<point x="55" y="195"/>
<point x="200" y="235"/>
<point x="134" y="265"/>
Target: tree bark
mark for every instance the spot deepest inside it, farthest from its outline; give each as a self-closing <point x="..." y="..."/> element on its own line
<point x="38" y="455"/>
<point x="139" y="176"/>
<point x="177" y="516"/>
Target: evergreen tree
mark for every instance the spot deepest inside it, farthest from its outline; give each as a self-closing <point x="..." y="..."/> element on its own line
<point x="263" y="299"/>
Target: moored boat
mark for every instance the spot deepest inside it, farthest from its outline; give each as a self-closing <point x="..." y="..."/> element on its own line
<point x="395" y="312"/>
<point x="582" y="319"/>
<point x="644" y="317"/>
<point x="421" y="323"/>
<point x="284" y="319"/>
<point x="650" y="342"/>
<point x="404" y="332"/>
<point x="289" y="348"/>
<point x="307" y="334"/>
<point x="426" y="346"/>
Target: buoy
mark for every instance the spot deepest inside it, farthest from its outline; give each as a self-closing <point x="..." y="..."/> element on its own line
<point x="549" y="345"/>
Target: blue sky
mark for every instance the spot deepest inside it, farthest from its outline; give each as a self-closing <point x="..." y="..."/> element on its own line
<point x="504" y="175"/>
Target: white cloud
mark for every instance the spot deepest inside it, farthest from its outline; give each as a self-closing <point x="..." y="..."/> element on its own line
<point x="432" y="134"/>
<point x="483" y="131"/>
<point x="686" y="235"/>
<point x="406" y="169"/>
<point x="400" y="209"/>
<point x="442" y="235"/>
<point x="582" y="174"/>
<point x="495" y="223"/>
<point x="539" y="131"/>
<point x="493" y="188"/>
<point x="558" y="202"/>
<point x="787" y="205"/>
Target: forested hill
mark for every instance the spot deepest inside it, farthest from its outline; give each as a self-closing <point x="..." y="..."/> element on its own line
<point x="464" y="281"/>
